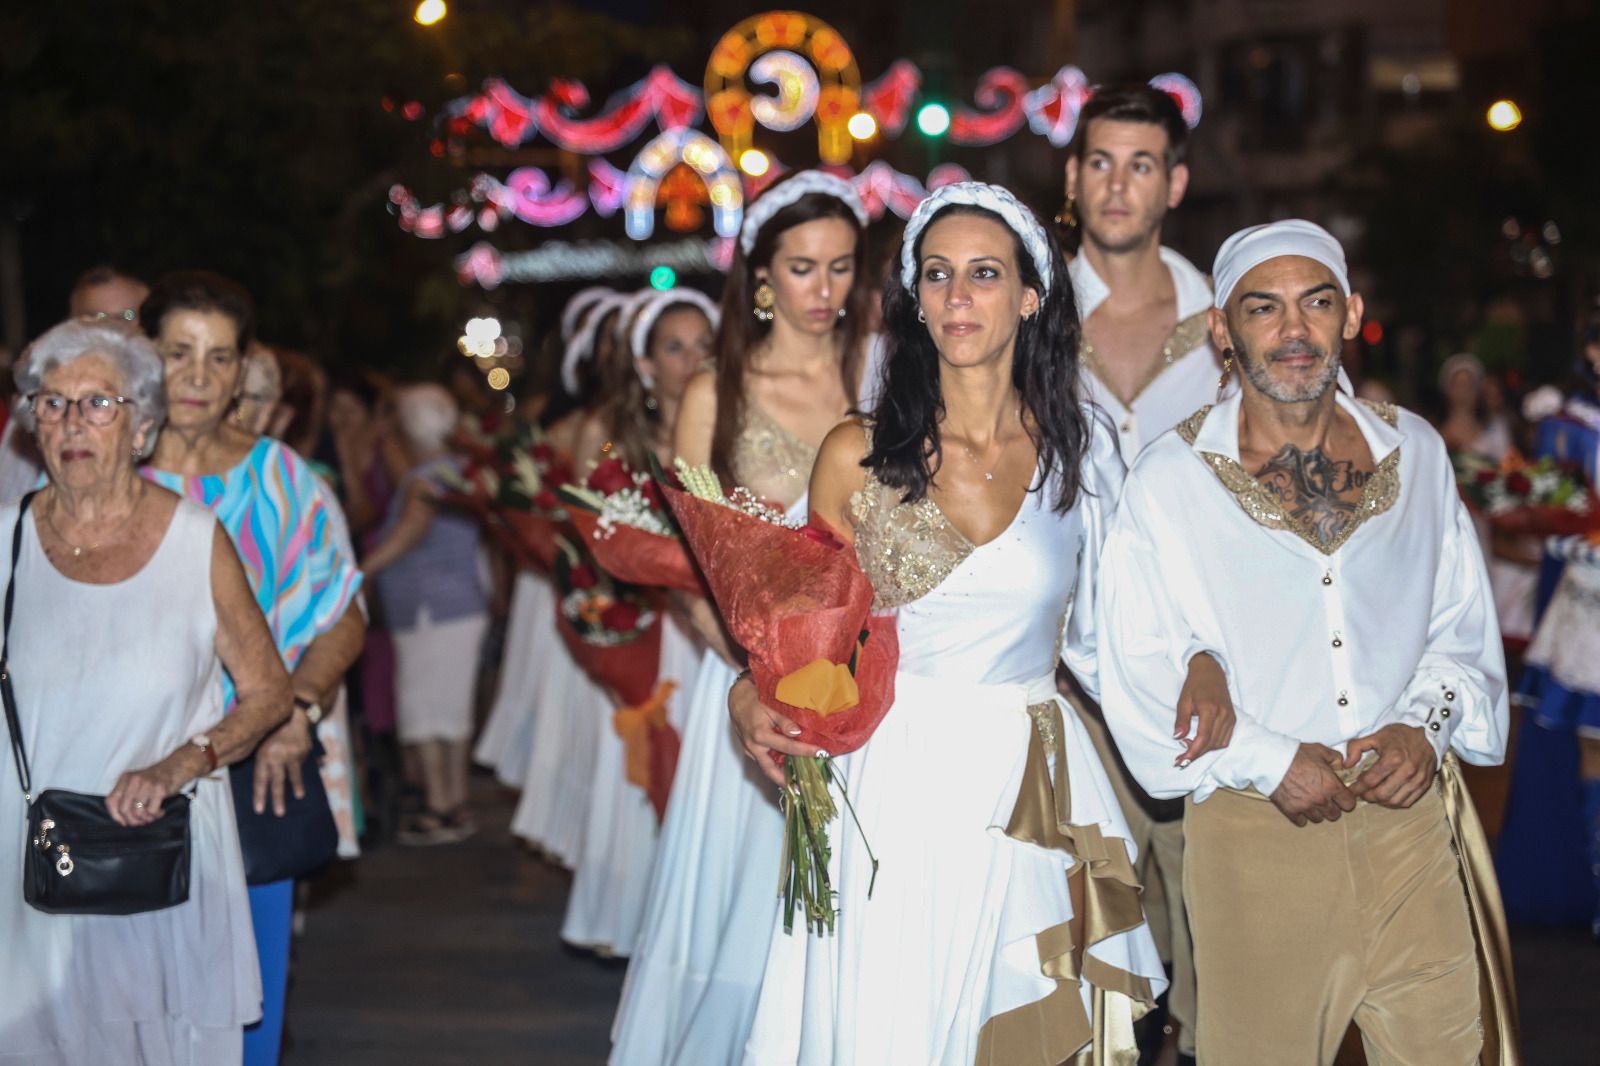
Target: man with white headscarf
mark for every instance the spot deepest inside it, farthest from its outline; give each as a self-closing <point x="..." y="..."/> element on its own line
<point x="1315" y="547"/>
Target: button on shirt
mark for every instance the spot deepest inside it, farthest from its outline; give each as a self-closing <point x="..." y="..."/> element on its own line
<point x="1395" y="624"/>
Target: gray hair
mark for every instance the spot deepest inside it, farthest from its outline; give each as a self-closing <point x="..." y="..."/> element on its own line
<point x="427" y="414"/>
<point x="133" y="357"/>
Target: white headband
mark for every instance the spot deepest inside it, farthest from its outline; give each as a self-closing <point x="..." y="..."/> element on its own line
<point x="631" y="304"/>
<point x="990" y="198"/>
<point x="791" y="190"/>
<point x="1251" y="247"/>
<point x="646" y="320"/>
<point x="572" y="314"/>
<point x="581" y="346"/>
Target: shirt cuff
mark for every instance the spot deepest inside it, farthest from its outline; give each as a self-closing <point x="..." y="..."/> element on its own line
<point x="1256" y="758"/>
<point x="1436" y="710"/>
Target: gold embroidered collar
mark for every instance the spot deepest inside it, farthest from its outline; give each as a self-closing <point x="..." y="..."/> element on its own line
<point x="1377" y="496"/>
<point x="1185" y="337"/>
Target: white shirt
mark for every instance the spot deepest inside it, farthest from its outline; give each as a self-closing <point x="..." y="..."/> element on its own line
<point x="1395" y="625"/>
<point x="1184" y="380"/>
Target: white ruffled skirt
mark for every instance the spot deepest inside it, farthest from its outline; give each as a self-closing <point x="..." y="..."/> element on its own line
<point x="611" y="872"/>
<point x="506" y="743"/>
<point x="569" y="713"/>
<point x="966" y="951"/>
<point x="691" y="988"/>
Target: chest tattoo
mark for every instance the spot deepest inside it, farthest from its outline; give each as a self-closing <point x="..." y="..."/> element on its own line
<point x="1319" y="492"/>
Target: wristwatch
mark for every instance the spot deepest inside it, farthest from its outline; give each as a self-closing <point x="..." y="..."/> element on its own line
<point x="312" y="708"/>
<point x="203" y="742"/>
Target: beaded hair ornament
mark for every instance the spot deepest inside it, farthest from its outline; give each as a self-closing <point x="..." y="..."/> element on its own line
<point x="790" y="191"/>
<point x="647" y="317"/>
<point x="581" y="346"/>
<point x="991" y="198"/>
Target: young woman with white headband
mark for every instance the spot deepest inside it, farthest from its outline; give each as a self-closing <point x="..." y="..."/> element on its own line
<point x="792" y="357"/>
<point x="553" y="812"/>
<point x="976" y="497"/>
<point x="506" y="743"/>
<point x="669" y="338"/>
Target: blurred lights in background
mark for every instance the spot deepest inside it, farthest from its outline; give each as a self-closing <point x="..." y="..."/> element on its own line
<point x="862" y="126"/>
<point x="933" y="120"/>
<point x="492" y="351"/>
<point x="754" y="162"/>
<point x="429" y="12"/>
<point x="1504" y="116"/>
<point x="663" y="278"/>
<point x="1372" y="332"/>
<point x="499" y="378"/>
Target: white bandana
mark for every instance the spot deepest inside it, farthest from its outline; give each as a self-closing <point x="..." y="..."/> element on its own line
<point x="631" y="304"/>
<point x="646" y="319"/>
<point x="1251" y="247"/>
<point x="789" y="191"/>
<point x="991" y="198"/>
<point x="572" y="314"/>
<point x="581" y="346"/>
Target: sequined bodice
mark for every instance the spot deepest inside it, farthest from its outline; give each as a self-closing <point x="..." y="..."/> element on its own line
<point x="989" y="613"/>
<point x="769" y="460"/>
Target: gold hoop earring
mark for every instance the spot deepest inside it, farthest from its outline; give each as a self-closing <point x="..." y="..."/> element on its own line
<point x="1227" y="371"/>
<point x="765" y="300"/>
<point x="1068" y="218"/>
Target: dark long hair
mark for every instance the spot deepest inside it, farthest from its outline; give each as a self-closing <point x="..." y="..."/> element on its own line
<point x="630" y="421"/>
<point x="741" y="332"/>
<point x="906" y="452"/>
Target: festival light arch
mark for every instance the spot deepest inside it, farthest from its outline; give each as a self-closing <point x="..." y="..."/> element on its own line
<point x="808" y="62"/>
<point x="700" y="154"/>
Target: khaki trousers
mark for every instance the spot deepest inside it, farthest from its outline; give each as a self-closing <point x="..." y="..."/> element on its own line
<point x="1297" y="931"/>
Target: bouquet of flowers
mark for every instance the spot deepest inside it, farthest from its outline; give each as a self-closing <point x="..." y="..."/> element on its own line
<point x="612" y="630"/>
<point x="1543" y="498"/>
<point x="528" y="514"/>
<point x="625" y="524"/>
<point x="796" y="600"/>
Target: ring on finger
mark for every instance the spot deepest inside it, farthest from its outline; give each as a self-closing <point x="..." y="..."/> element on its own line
<point x="138" y="805"/>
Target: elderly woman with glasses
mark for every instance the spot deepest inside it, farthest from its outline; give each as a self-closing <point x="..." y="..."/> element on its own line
<point x="285" y="529"/>
<point x="129" y="604"/>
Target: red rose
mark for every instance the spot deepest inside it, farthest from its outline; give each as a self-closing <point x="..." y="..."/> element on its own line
<point x="1485" y="476"/>
<point x="544" y="456"/>
<point x="620" y="617"/>
<point x="821" y="536"/>
<point x="1518" y="484"/>
<point x="609" y="477"/>
<point x="582" y="577"/>
<point x="545" y="499"/>
<point x="652" y="494"/>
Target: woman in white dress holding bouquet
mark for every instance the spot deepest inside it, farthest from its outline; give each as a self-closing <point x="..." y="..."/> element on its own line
<point x="1004" y="924"/>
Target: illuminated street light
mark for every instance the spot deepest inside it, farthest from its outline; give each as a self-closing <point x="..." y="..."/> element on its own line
<point x="862" y="126"/>
<point x="1504" y="116"/>
<point x="933" y="120"/>
<point x="429" y="12"/>
<point x="754" y="162"/>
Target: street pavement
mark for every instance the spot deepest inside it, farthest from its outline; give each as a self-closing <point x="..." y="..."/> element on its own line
<point x="451" y="956"/>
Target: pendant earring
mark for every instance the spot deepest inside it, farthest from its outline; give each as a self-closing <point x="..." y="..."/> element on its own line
<point x="843" y="312"/>
<point x="1068" y="218"/>
<point x="920" y="316"/>
<point x="650" y="401"/>
<point x="1227" y="371"/>
<point x="765" y="299"/>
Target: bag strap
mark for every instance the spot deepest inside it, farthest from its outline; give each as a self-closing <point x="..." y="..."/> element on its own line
<point x="24" y="776"/>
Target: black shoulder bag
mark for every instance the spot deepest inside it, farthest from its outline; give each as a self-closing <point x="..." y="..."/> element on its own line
<point x="78" y="860"/>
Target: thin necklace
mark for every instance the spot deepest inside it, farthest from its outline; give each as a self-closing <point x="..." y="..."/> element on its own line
<point x="78" y="551"/>
<point x="988" y="475"/>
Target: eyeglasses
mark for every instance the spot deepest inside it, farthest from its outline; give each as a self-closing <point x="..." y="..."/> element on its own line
<point x="126" y="315"/>
<point x="95" y="409"/>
